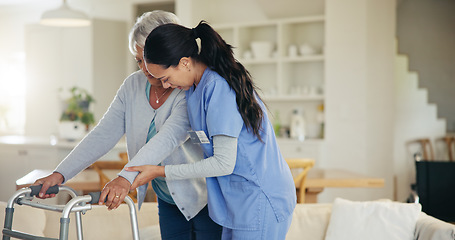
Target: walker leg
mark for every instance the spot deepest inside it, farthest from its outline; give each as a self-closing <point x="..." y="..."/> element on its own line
<point x="64" y="228"/>
<point x="8" y="221"/>
<point x="79" y="225"/>
<point x="133" y="217"/>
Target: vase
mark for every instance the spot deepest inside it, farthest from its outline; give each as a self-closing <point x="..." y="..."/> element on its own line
<point x="71" y="130"/>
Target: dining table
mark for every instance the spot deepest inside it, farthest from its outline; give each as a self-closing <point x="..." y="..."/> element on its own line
<point x="320" y="178"/>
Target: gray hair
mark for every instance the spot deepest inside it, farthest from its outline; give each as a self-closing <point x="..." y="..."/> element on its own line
<point x="145" y="25"/>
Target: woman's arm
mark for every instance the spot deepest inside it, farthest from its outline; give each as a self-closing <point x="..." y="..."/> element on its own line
<point x="99" y="141"/>
<point x="172" y="134"/>
<point x="221" y="163"/>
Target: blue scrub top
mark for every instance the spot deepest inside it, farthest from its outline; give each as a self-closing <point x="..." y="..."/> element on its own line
<point x="261" y="175"/>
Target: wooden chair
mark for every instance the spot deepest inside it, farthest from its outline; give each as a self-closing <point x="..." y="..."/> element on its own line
<point x="299" y="169"/>
<point x="99" y="166"/>
<point x="426" y="148"/>
<point x="450" y="142"/>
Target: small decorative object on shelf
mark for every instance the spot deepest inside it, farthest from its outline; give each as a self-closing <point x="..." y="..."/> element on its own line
<point x="262" y="49"/>
<point x="307" y="49"/>
<point x="298" y="126"/>
<point x="292" y="51"/>
<point x="76" y="118"/>
<point x="277" y="123"/>
<point x="320" y="119"/>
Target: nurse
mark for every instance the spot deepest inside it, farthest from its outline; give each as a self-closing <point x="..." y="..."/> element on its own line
<point x="250" y="189"/>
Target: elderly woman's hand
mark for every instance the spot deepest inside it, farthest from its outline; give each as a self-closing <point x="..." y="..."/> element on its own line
<point x="115" y="191"/>
<point x="146" y="174"/>
<point x="47" y="182"/>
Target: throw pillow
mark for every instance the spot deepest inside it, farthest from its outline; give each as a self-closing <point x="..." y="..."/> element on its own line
<point x="377" y="220"/>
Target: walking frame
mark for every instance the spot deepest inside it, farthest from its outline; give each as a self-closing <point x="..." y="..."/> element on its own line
<point x="78" y="204"/>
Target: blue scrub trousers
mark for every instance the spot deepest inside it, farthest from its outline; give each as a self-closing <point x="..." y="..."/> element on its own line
<point x="174" y="226"/>
<point x="270" y="230"/>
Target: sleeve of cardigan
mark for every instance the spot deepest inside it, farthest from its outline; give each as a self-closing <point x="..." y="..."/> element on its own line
<point x="99" y="141"/>
<point x="172" y="134"/>
<point x="221" y="163"/>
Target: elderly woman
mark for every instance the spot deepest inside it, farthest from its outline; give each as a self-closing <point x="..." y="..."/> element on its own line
<point x="156" y="125"/>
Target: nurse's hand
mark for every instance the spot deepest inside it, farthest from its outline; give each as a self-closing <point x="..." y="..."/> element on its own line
<point x="115" y="191"/>
<point x="146" y="174"/>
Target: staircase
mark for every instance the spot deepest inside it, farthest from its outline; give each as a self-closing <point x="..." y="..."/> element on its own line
<point x="414" y="118"/>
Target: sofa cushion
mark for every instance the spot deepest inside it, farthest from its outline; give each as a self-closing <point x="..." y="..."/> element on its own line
<point x="150" y="233"/>
<point x="430" y="228"/>
<point x="372" y="220"/>
<point x="25" y="219"/>
<point x="310" y="221"/>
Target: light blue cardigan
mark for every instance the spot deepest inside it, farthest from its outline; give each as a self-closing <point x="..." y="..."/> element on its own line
<point x="130" y="113"/>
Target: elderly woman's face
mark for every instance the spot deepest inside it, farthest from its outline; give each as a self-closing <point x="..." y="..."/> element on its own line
<point x="141" y="64"/>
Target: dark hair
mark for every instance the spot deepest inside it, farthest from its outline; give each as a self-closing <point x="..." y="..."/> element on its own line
<point x="168" y="43"/>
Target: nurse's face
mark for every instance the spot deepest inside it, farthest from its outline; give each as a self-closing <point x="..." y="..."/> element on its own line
<point x="175" y="77"/>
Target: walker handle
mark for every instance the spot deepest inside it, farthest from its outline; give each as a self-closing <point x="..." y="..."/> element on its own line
<point x="37" y="188"/>
<point x="96" y="197"/>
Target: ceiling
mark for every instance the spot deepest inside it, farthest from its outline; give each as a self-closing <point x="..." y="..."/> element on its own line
<point x="14" y="2"/>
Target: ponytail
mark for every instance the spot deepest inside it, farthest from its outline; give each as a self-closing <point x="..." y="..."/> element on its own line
<point x="168" y="43"/>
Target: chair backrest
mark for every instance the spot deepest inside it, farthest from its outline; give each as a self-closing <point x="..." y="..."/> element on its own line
<point x="450" y="144"/>
<point x="426" y="148"/>
<point x="299" y="169"/>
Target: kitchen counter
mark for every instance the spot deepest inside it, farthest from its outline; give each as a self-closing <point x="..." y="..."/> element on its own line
<point x="50" y="141"/>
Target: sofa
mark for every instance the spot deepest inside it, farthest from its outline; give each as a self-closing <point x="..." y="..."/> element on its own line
<point x="310" y="222"/>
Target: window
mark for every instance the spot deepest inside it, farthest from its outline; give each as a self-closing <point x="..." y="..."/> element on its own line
<point x="12" y="94"/>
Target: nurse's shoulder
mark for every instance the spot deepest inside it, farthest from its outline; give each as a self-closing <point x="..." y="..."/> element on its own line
<point x="215" y="83"/>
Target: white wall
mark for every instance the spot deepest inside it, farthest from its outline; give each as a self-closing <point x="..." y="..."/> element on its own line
<point x="426" y="33"/>
<point x="12" y="21"/>
<point x="57" y="58"/>
<point x="93" y="58"/>
<point x="12" y="67"/>
<point x="359" y="92"/>
<point x="380" y="92"/>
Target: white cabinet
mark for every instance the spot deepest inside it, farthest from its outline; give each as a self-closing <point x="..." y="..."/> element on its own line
<point x="306" y="149"/>
<point x="18" y="160"/>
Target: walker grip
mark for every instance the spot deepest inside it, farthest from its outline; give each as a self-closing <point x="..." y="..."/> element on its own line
<point x="96" y="197"/>
<point x="37" y="188"/>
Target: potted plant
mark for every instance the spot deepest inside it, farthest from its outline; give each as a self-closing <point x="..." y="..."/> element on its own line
<point x="76" y="117"/>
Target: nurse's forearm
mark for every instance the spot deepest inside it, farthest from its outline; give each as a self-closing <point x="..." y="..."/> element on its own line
<point x="221" y="163"/>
